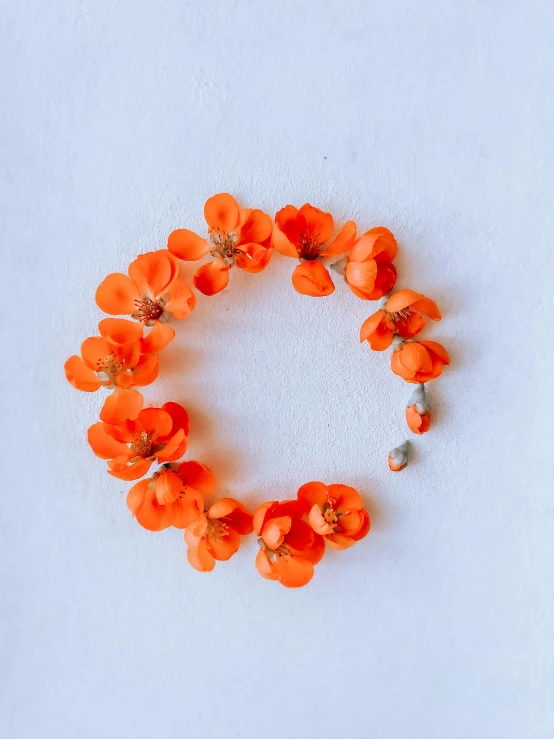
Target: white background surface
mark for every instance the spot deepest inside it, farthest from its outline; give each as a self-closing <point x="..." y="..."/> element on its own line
<point x="435" y="119"/>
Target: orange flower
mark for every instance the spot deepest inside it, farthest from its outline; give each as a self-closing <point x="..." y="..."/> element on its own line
<point x="368" y="269"/>
<point x="171" y="497"/>
<point x="336" y="512"/>
<point x="302" y="234"/>
<point x="216" y="534"/>
<point x="418" y="413"/>
<point x="237" y="237"/>
<point x="120" y="368"/>
<point x="398" y="457"/>
<point x="152" y="293"/>
<point x="403" y="314"/>
<point x="131" y="448"/>
<point x="418" y="361"/>
<point x="289" y="548"/>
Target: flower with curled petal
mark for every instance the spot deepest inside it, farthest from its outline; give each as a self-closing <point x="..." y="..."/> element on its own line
<point x="120" y="368"/>
<point x="215" y="535"/>
<point x="151" y="293"/>
<point x="237" y="237"/>
<point x="171" y="497"/>
<point x="289" y="547"/>
<point x="419" y="361"/>
<point x="303" y="234"/>
<point x="402" y="313"/>
<point x="336" y="512"/>
<point x="368" y="269"/>
<point x="157" y="434"/>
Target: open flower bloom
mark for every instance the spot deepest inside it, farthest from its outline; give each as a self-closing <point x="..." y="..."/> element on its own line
<point x="403" y="314"/>
<point x="399" y="456"/>
<point x="216" y="534"/>
<point x="171" y="497"/>
<point x="418" y="412"/>
<point x="237" y="237"/>
<point x="151" y="293"/>
<point x="418" y="361"/>
<point x="336" y="512"/>
<point x="303" y="234"/>
<point x="120" y="368"/>
<point x="369" y="271"/>
<point x="289" y="547"/>
<point x="157" y="434"/>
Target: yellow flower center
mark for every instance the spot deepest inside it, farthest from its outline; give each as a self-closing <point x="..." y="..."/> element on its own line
<point x="148" y="310"/>
<point x="110" y="366"/>
<point x="224" y="246"/>
<point x="216" y="530"/>
<point x="309" y="246"/>
<point x="142" y="444"/>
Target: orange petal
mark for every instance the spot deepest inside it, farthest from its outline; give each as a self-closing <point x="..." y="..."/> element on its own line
<point x="253" y="257"/>
<point x="179" y="416"/>
<point x="274" y="530"/>
<point x="103" y="445"/>
<point x="117" y="294"/>
<point x="146" y="370"/>
<point x="157" y="339"/>
<point x="255" y="226"/>
<point x="371" y="324"/>
<point x="437" y="349"/>
<point x="181" y="300"/>
<point x="224" y="548"/>
<point x="360" y="277"/>
<point x="415" y="357"/>
<point x="385" y="246"/>
<point x="141" y="500"/>
<point x="199" y="556"/>
<point x="315" y="222"/>
<point x="155" y="422"/>
<point x="288" y="225"/>
<point x="120" y="331"/>
<point x="315" y="552"/>
<point x="222" y="212"/>
<point x="129" y="472"/>
<point x="293" y="572"/>
<point x="300" y="537"/>
<point x="311" y="278"/>
<point x="264" y="567"/>
<point x="94" y="350"/>
<point x="196" y="529"/>
<point x="384" y="282"/>
<point x="187" y="245"/>
<point x="340" y="541"/>
<point x="283" y="245"/>
<point x="343" y="242"/>
<point x="168" y="487"/>
<point x="398" y="368"/>
<point x="417" y="422"/>
<point x="402" y="299"/>
<point x="212" y="278"/>
<point x="81" y="376"/>
<point x="427" y="307"/>
<point x="261" y="514"/>
<point x="153" y="272"/>
<point x="173" y="447"/>
<point x="187" y="508"/>
<point x="346" y="498"/>
<point x="121" y="405"/>
<point x="314" y="493"/>
<point x="197" y="476"/>
<point x="318" y="523"/>
<point x="223" y="507"/>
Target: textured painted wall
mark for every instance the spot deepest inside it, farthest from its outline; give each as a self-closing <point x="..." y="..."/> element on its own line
<point x="435" y="119"/>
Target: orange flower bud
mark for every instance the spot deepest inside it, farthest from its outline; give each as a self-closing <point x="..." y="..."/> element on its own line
<point x="418" y="412"/>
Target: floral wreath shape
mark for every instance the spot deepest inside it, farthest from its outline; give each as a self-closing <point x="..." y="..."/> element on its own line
<point x="291" y="533"/>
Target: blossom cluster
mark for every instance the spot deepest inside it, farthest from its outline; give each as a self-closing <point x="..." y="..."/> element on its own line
<point x="141" y="306"/>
